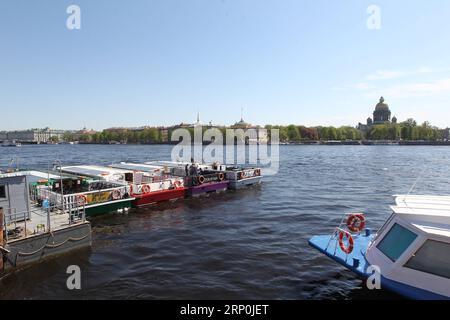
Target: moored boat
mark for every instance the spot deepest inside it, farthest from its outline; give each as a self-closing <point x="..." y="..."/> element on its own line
<point x="76" y="187"/>
<point x="151" y="184"/>
<point x="198" y="178"/>
<point x="411" y="251"/>
<point x="240" y="177"/>
<point x="147" y="184"/>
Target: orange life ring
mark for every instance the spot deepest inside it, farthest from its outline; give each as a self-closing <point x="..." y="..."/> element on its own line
<point x="177" y="184"/>
<point x="356" y="222"/>
<point x="346" y="248"/>
<point x="146" y="188"/>
<point x="116" y="195"/>
<point x="201" y="179"/>
<point x="221" y="176"/>
<point x="81" y="199"/>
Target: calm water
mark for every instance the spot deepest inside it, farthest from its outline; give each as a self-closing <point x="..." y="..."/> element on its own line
<point x="238" y="245"/>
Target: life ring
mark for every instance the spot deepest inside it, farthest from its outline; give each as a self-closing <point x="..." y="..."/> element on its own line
<point x="346" y="248"/>
<point x="81" y="199"/>
<point x="177" y="184"/>
<point x="146" y="188"/>
<point x="116" y="195"/>
<point x="201" y="179"/>
<point x="221" y="176"/>
<point x="356" y="222"/>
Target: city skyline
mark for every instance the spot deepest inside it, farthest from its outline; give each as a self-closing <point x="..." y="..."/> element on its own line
<point x="160" y="63"/>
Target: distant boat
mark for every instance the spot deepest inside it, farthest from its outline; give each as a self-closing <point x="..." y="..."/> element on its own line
<point x="12" y="143"/>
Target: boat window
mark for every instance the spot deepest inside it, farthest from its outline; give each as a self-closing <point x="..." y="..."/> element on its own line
<point x="433" y="257"/>
<point x="396" y="241"/>
<point x="2" y="192"/>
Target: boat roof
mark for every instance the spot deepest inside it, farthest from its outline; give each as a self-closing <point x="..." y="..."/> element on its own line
<point x="136" y="166"/>
<point x="175" y="164"/>
<point x="435" y="229"/>
<point x="93" y="170"/>
<point x="426" y="210"/>
<point x="33" y="173"/>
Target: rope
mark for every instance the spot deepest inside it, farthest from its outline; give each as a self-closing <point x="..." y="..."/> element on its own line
<point x="50" y="246"/>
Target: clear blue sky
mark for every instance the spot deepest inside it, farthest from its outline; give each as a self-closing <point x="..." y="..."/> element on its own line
<point x="159" y="62"/>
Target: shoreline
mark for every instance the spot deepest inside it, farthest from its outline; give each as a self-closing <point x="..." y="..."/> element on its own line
<point x="303" y="143"/>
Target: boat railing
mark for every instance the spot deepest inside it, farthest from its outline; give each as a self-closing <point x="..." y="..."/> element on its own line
<point x="38" y="220"/>
<point x="71" y="202"/>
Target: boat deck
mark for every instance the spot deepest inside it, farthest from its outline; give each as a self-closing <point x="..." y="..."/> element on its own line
<point x="38" y="223"/>
<point x="330" y="247"/>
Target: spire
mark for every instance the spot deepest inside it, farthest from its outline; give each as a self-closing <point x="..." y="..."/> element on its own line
<point x="198" y="117"/>
<point x="242" y="112"/>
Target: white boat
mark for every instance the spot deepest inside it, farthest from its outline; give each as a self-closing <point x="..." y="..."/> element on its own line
<point x="12" y="143"/>
<point x="238" y="177"/>
<point x="411" y="250"/>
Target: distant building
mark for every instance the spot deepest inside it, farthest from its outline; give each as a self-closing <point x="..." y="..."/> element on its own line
<point x="255" y="136"/>
<point x="381" y="115"/>
<point x="35" y="135"/>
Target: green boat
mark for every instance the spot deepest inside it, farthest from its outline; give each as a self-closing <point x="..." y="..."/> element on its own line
<point x="84" y="195"/>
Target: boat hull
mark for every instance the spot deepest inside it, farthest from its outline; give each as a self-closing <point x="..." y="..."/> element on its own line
<point x="158" y="196"/>
<point x="209" y="187"/>
<point x="108" y="207"/>
<point x="238" y="184"/>
<point x="331" y="249"/>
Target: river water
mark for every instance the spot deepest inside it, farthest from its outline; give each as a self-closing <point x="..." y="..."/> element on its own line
<point x="251" y="244"/>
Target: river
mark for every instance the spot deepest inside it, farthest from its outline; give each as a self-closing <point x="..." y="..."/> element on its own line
<point x="250" y="244"/>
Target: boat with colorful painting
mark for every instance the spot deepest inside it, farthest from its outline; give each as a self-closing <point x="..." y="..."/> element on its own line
<point x="77" y="187"/>
<point x="198" y="178"/>
<point x="152" y="184"/>
<point x="410" y="252"/>
<point x="147" y="184"/>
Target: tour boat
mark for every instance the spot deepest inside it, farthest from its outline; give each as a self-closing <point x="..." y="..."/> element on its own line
<point x="148" y="184"/>
<point x="411" y="251"/>
<point x="93" y="195"/>
<point x="198" y="178"/>
<point x="240" y="177"/>
<point x="151" y="184"/>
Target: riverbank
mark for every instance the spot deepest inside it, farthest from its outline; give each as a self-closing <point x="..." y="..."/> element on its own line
<point x="326" y="143"/>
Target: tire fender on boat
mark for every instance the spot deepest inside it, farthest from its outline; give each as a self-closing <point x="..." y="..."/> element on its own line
<point x="201" y="179"/>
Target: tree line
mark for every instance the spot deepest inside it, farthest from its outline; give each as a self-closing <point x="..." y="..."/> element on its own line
<point x="408" y="130"/>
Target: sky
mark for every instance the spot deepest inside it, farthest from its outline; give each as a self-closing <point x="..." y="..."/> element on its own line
<point x="156" y="62"/>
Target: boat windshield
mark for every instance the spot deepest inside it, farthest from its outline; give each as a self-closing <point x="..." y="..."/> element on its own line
<point x="433" y="257"/>
<point x="396" y="241"/>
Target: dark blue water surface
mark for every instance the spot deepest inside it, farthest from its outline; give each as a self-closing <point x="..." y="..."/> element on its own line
<point x="250" y="244"/>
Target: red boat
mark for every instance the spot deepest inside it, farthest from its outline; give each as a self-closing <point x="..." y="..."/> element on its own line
<point x="146" y="194"/>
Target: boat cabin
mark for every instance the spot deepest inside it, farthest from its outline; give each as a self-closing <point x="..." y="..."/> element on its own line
<point x="412" y="248"/>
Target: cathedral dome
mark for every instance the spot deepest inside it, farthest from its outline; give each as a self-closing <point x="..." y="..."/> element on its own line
<point x="382" y="114"/>
<point x="382" y="106"/>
